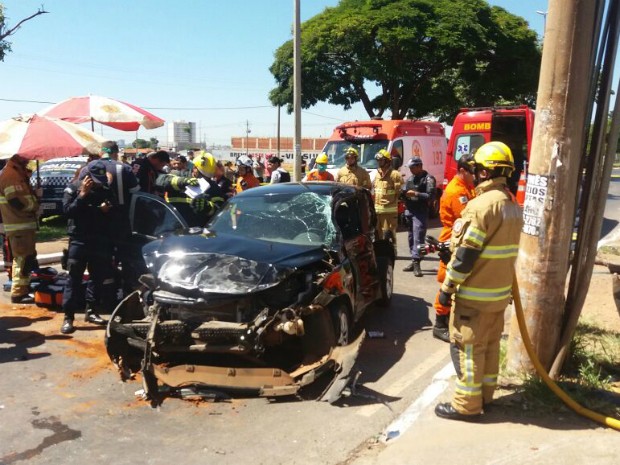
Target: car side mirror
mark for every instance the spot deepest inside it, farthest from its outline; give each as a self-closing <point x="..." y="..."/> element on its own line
<point x="397" y="162"/>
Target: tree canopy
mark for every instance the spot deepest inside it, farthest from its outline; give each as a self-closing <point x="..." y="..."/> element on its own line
<point x="5" y="46"/>
<point x="412" y="58"/>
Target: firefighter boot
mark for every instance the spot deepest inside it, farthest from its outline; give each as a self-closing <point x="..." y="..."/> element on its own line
<point x="440" y="330"/>
<point x="417" y="271"/>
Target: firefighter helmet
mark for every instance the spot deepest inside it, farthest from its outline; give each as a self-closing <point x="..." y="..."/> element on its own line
<point x="322" y="158"/>
<point x="383" y="154"/>
<point x="205" y="163"/>
<point x="351" y="151"/>
<point x="245" y="161"/>
<point x="495" y="156"/>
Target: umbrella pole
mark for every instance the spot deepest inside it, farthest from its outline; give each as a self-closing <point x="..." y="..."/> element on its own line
<point x="92" y="124"/>
<point x="38" y="176"/>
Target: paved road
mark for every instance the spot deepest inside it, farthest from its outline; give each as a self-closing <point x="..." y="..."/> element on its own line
<point x="62" y="402"/>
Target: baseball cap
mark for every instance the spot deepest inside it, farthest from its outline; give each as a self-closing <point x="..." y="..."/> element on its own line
<point x="96" y="170"/>
<point x="414" y="161"/>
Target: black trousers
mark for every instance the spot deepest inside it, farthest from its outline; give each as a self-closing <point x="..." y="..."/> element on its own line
<point x="97" y="256"/>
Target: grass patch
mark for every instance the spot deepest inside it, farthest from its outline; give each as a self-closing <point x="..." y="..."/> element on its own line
<point x="52" y="228"/>
<point x="610" y="250"/>
<point x="591" y="375"/>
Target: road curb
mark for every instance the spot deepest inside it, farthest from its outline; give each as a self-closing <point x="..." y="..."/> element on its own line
<point x="49" y="258"/>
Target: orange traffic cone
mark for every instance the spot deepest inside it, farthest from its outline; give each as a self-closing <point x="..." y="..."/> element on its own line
<point x="521" y="189"/>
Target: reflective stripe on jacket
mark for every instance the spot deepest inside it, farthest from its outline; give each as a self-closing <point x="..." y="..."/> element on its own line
<point x="387" y="191"/>
<point x="491" y="225"/>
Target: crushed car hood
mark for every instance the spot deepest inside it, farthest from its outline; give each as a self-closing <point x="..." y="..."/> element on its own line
<point x="225" y="264"/>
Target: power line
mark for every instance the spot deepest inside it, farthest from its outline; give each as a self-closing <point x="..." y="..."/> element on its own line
<point x="183" y="108"/>
<point x="24" y="101"/>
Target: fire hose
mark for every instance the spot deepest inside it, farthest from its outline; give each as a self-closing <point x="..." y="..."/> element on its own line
<point x="607" y="421"/>
<point x="433" y="245"/>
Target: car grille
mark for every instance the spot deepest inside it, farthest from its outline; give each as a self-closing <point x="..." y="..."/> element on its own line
<point x="166" y="328"/>
<point x="219" y="331"/>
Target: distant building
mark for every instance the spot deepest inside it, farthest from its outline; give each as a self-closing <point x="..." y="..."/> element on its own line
<point x="181" y="135"/>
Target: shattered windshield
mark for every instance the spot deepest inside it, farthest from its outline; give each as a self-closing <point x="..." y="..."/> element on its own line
<point x="301" y="218"/>
<point x="367" y="151"/>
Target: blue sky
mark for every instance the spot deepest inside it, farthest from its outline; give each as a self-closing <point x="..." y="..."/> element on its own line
<point x="170" y="57"/>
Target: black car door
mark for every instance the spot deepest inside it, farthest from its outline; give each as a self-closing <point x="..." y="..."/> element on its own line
<point x="353" y="219"/>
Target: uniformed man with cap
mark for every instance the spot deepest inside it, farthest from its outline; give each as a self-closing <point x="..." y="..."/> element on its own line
<point x="89" y="205"/>
<point x="417" y="192"/>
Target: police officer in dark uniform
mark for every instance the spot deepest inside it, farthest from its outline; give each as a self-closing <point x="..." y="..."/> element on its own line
<point x="148" y="169"/>
<point x="89" y="206"/>
<point x="417" y="192"/>
<point x="123" y="184"/>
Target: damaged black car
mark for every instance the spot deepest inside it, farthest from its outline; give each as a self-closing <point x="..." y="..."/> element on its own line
<point x="262" y="301"/>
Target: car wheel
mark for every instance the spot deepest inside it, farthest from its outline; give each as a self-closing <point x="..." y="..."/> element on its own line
<point x="385" y="266"/>
<point x="342" y="324"/>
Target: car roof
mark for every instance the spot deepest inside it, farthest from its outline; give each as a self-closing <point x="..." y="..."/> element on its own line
<point x="318" y="187"/>
<point x="78" y="159"/>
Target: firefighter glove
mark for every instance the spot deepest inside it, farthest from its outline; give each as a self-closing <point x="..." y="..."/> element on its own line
<point x="191" y="182"/>
<point x="445" y="294"/>
<point x="199" y="204"/>
<point x="445" y="256"/>
<point x="445" y="298"/>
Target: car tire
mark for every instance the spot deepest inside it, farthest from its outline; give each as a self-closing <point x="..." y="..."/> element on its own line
<point x="342" y="324"/>
<point x="385" y="266"/>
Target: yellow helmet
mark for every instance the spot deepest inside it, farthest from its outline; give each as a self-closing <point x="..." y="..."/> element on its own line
<point x="351" y="151"/>
<point x="495" y="155"/>
<point x="322" y="158"/>
<point x="205" y="163"/>
<point x="383" y="154"/>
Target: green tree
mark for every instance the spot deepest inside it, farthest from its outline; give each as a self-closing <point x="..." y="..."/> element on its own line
<point x="140" y="144"/>
<point x="411" y="58"/>
<point x="153" y="143"/>
<point x="5" y="31"/>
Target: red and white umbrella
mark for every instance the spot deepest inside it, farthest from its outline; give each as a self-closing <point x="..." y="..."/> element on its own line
<point x="110" y="112"/>
<point x="40" y="138"/>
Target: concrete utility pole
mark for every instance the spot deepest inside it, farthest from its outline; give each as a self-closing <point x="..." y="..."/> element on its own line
<point x="247" y="136"/>
<point x="563" y="93"/>
<point x="297" y="94"/>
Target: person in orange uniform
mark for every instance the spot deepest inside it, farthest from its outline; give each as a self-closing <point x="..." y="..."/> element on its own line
<point x="320" y="173"/>
<point x="459" y="191"/>
<point x="245" y="177"/>
<point x="387" y="186"/>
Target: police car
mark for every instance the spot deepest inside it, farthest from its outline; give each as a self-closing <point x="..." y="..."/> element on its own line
<point x="55" y="175"/>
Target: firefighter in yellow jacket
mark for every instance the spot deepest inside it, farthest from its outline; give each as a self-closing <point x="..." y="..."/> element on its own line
<point x="387" y="186"/>
<point x="19" y="207"/>
<point x="352" y="173"/>
<point x="485" y="243"/>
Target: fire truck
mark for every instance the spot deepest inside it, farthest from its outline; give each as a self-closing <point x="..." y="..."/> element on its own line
<point x="473" y="127"/>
